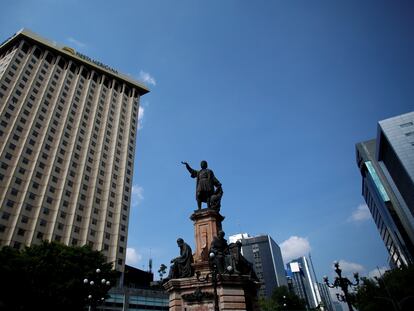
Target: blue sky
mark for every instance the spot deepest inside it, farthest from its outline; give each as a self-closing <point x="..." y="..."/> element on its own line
<point x="273" y="94"/>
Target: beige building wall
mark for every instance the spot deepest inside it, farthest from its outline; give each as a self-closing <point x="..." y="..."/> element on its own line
<point x="68" y="128"/>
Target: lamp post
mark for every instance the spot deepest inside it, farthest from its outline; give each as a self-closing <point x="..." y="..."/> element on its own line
<point x="95" y="286"/>
<point x="215" y="276"/>
<point x="343" y="283"/>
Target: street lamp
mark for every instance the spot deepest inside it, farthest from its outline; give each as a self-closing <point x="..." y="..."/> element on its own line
<point x="95" y="287"/>
<point x="215" y="276"/>
<point x="343" y="283"/>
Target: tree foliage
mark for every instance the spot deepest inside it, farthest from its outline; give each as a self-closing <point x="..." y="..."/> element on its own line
<point x="393" y="291"/>
<point x="50" y="276"/>
<point x="282" y="299"/>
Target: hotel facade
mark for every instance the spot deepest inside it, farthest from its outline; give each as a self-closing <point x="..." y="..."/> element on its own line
<point x="68" y="126"/>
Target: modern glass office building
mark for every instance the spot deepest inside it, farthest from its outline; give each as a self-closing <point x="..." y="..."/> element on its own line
<point x="304" y="283"/>
<point x="136" y="299"/>
<point x="68" y="127"/>
<point x="387" y="168"/>
<point x="263" y="252"/>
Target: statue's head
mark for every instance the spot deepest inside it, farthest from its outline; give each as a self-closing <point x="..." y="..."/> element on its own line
<point x="180" y="241"/>
<point x="220" y="234"/>
<point x="203" y="164"/>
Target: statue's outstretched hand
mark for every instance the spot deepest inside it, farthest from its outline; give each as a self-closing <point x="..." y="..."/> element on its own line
<point x="185" y="163"/>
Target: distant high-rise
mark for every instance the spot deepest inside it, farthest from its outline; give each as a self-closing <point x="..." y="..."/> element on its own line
<point x="68" y="126"/>
<point x="267" y="261"/>
<point x="387" y="169"/>
<point x="326" y="297"/>
<point x="304" y="283"/>
<point x="337" y="306"/>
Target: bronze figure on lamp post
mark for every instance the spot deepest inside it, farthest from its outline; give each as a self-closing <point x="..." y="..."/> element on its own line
<point x="343" y="283"/>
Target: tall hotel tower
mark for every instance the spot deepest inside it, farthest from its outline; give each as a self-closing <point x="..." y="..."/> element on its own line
<point x="68" y="126"/>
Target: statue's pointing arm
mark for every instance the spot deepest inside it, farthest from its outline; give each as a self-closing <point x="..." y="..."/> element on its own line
<point x="192" y="171"/>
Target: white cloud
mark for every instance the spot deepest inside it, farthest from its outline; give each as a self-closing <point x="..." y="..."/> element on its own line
<point x="146" y="78"/>
<point x="137" y="195"/>
<point x="361" y="213"/>
<point x="294" y="247"/>
<point x="141" y="111"/>
<point x="132" y="256"/>
<point x="350" y="267"/>
<point x="75" y="42"/>
<point x="375" y="273"/>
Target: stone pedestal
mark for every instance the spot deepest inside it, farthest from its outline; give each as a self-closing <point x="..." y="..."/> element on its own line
<point x="235" y="293"/>
<point x="207" y="222"/>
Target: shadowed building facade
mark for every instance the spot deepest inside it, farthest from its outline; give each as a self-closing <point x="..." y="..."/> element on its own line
<point x="387" y="168"/>
<point x="263" y="252"/>
<point x="68" y="127"/>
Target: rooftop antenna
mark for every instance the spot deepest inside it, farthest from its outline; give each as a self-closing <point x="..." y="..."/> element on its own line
<point x="150" y="263"/>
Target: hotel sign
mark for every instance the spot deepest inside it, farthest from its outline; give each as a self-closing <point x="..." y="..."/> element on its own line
<point x="97" y="63"/>
<point x="88" y="59"/>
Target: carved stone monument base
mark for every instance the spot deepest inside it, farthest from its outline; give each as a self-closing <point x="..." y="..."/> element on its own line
<point x="207" y="222"/>
<point x="234" y="292"/>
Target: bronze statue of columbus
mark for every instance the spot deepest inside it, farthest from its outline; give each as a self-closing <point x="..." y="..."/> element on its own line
<point x="208" y="188"/>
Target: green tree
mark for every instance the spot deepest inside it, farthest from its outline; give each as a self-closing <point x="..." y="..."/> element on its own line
<point x="282" y="299"/>
<point x="393" y="291"/>
<point x="50" y="276"/>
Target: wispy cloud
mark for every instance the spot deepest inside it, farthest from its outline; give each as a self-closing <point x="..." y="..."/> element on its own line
<point x="76" y="42"/>
<point x="146" y="78"/>
<point x="132" y="256"/>
<point x="361" y="213"/>
<point x="350" y="267"/>
<point x="141" y="111"/>
<point x="137" y="195"/>
<point x="378" y="272"/>
<point x="294" y="247"/>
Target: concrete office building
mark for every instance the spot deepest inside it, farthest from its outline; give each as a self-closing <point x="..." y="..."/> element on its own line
<point x="387" y="168"/>
<point x="68" y="127"/>
<point x="266" y="258"/>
